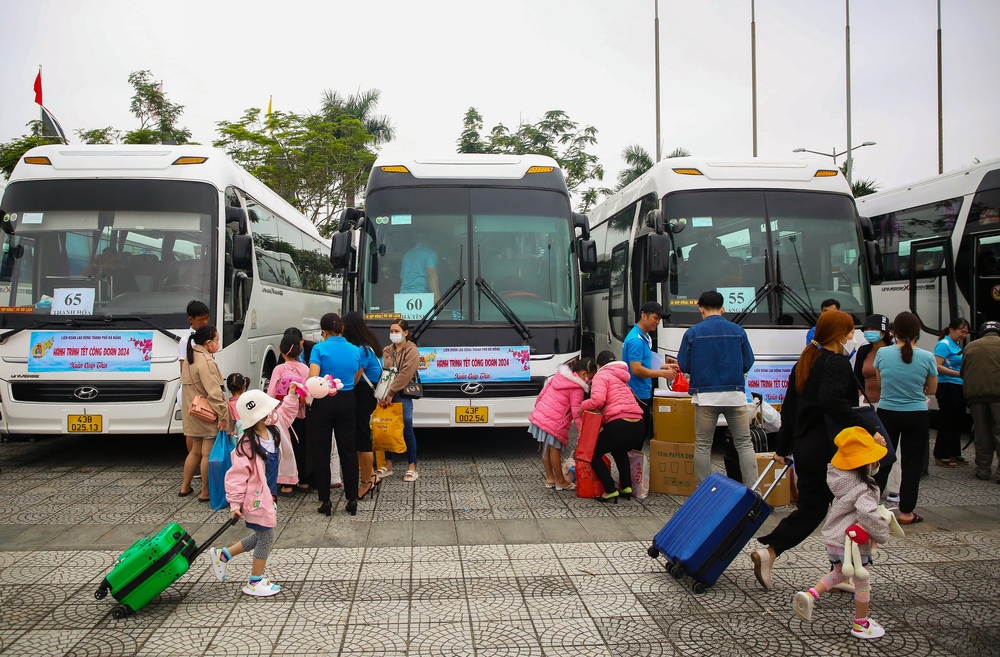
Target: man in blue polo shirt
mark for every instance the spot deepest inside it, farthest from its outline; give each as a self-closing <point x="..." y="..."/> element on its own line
<point x="637" y="351"/>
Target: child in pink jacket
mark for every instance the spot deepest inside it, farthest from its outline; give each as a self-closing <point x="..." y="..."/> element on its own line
<point x="621" y="424"/>
<point x="252" y="485"/>
<point x="557" y="405"/>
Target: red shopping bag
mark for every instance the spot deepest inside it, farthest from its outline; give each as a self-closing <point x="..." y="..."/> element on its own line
<point x="587" y="441"/>
<point x="587" y="484"/>
<point x="680" y="383"/>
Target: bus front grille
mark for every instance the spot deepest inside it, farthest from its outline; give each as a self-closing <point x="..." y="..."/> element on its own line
<point x="105" y="392"/>
<point x="499" y="389"/>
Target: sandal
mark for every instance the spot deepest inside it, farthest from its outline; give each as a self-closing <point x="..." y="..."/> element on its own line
<point x="945" y="463"/>
<point x="183" y="494"/>
<point x="411" y="475"/>
<point x="916" y="518"/>
<point x="383" y="472"/>
<point x="549" y="485"/>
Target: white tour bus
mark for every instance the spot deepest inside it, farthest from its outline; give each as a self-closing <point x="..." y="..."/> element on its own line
<point x="776" y="239"/>
<point x="103" y="248"/>
<point x="940" y="241"/>
<point x="479" y="254"/>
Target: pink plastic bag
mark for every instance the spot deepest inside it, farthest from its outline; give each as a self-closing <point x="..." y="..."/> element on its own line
<point x="639" y="466"/>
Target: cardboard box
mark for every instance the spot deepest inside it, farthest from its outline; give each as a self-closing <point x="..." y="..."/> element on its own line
<point x="782" y="494"/>
<point x="671" y="467"/>
<point x="673" y="419"/>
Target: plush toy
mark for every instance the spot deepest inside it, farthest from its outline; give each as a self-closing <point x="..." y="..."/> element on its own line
<point x="855" y="535"/>
<point x="318" y="387"/>
<point x="285" y="386"/>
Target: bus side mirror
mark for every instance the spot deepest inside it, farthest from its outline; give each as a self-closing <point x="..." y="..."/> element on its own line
<point x="588" y="256"/>
<point x="657" y="261"/>
<point x="867" y="230"/>
<point x="349" y="218"/>
<point x="242" y="252"/>
<point x="340" y="250"/>
<point x="237" y="216"/>
<point x="583" y="223"/>
<point x="874" y="254"/>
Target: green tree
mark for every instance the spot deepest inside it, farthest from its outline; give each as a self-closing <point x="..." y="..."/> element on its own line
<point x="157" y="116"/>
<point x="555" y="135"/>
<point x="12" y="151"/>
<point x="862" y="187"/>
<point x="680" y="151"/>
<point x="108" y="135"/>
<point x="360" y="106"/>
<point x="639" y="162"/>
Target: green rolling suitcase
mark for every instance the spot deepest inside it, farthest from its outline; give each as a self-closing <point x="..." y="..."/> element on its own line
<point x="151" y="565"/>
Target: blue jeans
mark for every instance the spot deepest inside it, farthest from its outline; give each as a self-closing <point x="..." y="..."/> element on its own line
<point x="408" y="435"/>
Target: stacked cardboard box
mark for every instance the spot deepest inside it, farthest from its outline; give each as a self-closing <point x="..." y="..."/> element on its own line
<point x="673" y="419"/>
<point x="782" y="494"/>
<point x="671" y="467"/>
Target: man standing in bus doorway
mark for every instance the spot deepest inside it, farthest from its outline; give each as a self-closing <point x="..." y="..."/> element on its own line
<point x="981" y="381"/>
<point x="637" y="351"/>
<point x="418" y="271"/>
<point x="716" y="355"/>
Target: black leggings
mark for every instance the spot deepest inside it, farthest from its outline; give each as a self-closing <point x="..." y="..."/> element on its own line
<point x="951" y="421"/>
<point x="299" y="442"/>
<point x="911" y="429"/>
<point x="617" y="438"/>
<point x="330" y="417"/>
<point x="364" y="399"/>
<point x="812" y="453"/>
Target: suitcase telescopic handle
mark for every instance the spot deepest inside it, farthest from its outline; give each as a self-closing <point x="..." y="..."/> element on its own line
<point x="222" y="530"/>
<point x="777" y="480"/>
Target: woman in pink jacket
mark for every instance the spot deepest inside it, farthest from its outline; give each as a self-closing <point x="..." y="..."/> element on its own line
<point x="252" y="486"/>
<point x="621" y="424"/>
<point x="557" y="405"/>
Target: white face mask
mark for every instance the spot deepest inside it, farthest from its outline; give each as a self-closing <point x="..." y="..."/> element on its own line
<point x="395" y="338"/>
<point x="850" y="347"/>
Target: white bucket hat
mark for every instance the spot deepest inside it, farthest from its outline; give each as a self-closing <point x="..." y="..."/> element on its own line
<point x="253" y="406"/>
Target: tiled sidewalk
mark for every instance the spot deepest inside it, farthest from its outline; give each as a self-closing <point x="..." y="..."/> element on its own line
<point x="475" y="558"/>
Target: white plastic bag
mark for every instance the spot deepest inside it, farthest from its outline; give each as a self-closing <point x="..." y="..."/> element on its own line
<point x="569" y="469"/>
<point x="770" y="417"/>
<point x="336" y="478"/>
<point x="382" y="387"/>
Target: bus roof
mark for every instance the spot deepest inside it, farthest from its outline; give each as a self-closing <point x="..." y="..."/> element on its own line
<point x="153" y="162"/>
<point x="929" y="190"/>
<point x="458" y="165"/>
<point x="684" y="173"/>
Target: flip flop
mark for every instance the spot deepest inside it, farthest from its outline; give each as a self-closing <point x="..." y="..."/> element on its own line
<point x="916" y="518"/>
<point x="190" y="490"/>
<point x="411" y="475"/>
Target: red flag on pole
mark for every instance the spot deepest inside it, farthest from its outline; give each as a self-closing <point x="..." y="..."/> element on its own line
<point x="38" y="87"/>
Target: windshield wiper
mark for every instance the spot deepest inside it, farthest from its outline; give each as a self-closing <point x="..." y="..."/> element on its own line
<point x="796" y="301"/>
<point x="77" y="322"/>
<point x="764" y="290"/>
<point x="505" y="310"/>
<point x="107" y="319"/>
<point x="49" y="322"/>
<point x="439" y="305"/>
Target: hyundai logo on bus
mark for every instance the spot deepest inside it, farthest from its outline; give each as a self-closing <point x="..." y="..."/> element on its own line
<point x="472" y="388"/>
<point x="86" y="392"/>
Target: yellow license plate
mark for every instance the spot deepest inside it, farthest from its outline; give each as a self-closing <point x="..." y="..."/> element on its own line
<point x="85" y="423"/>
<point x="472" y="414"/>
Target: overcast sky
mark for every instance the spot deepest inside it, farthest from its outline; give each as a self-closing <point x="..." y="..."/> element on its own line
<point x="514" y="60"/>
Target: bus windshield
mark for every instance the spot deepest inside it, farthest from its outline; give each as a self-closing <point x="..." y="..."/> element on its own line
<point x="421" y="241"/>
<point x="107" y="247"/>
<point x="790" y="250"/>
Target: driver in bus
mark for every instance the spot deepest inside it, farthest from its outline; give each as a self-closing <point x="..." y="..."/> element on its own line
<point x="418" y="271"/>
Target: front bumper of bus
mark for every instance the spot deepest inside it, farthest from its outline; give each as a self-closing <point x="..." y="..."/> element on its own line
<point x="46" y="417"/>
<point x="494" y="412"/>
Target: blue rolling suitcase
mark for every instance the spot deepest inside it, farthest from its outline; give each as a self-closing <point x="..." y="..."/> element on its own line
<point x="712" y="526"/>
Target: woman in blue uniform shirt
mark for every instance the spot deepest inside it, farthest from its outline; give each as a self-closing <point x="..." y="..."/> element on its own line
<point x="334" y="415"/>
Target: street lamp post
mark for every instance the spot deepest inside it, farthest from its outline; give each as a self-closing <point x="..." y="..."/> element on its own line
<point x="834" y="154"/>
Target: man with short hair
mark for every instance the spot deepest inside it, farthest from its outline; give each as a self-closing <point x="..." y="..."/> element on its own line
<point x="981" y="385"/>
<point x="716" y="355"/>
<point x="637" y="351"/>
<point x="825" y="307"/>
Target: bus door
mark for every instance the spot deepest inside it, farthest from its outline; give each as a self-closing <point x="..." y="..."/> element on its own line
<point x="618" y="315"/>
<point x="932" y="283"/>
<point x="986" y="280"/>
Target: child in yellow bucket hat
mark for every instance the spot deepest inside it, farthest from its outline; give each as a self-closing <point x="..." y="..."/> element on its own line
<point x="855" y="524"/>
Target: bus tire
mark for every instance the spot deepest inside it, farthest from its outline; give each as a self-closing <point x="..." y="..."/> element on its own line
<point x="265" y="373"/>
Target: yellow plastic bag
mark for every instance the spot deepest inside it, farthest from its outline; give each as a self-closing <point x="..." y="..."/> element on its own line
<point x="387" y="429"/>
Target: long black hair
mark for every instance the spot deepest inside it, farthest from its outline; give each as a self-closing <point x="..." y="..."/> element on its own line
<point x="290" y="346"/>
<point x="249" y="440"/>
<point x="199" y="337"/>
<point x="360" y="334"/>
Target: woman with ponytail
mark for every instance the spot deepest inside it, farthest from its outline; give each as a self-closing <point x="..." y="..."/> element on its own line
<point x="200" y="376"/>
<point x="821" y="391"/>
<point x="906" y="376"/>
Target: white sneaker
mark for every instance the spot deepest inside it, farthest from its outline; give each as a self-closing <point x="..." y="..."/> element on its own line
<point x="802" y="605"/>
<point x="218" y="565"/>
<point x="892" y="497"/>
<point x="846" y="587"/>
<point x="762" y="567"/>
<point x="262" y="588"/>
<point x="873" y="631"/>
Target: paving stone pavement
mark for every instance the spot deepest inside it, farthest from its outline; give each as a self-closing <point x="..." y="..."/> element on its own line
<point x="474" y="558"/>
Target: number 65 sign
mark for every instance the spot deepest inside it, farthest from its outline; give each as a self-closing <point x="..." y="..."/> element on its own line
<point x="73" y="301"/>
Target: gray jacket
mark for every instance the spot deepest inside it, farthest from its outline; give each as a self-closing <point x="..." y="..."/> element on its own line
<point x="981" y="370"/>
<point x="854" y="503"/>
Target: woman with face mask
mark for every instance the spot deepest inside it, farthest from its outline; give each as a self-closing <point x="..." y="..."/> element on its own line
<point x="876" y="333"/>
<point x="907" y="375"/>
<point x="402" y="354"/>
<point x="821" y="397"/>
<point x="200" y="376"/>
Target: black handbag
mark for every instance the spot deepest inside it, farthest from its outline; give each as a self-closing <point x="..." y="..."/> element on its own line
<point x="414" y="389"/>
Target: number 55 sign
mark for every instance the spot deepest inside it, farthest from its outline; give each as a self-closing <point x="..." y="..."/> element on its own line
<point x="73" y="301"/>
<point x="413" y="306"/>
<point x="736" y="299"/>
